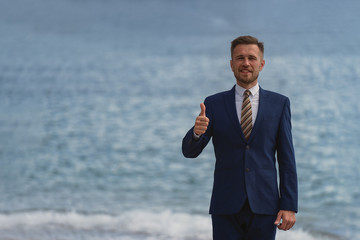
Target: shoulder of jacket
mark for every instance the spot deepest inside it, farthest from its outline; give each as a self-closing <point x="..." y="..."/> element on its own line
<point x="274" y="95"/>
<point x="219" y="95"/>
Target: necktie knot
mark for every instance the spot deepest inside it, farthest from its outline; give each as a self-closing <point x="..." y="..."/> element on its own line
<point x="247" y="93"/>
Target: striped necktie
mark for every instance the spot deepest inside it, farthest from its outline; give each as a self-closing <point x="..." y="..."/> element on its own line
<point x="246" y="115"/>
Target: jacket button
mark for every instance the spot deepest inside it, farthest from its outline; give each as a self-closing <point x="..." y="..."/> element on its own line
<point x="247" y="147"/>
<point x="247" y="169"/>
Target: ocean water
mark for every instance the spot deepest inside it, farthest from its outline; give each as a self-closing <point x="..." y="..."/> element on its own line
<point x="96" y="96"/>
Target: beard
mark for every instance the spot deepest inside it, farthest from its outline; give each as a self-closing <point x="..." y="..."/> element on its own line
<point x="246" y="80"/>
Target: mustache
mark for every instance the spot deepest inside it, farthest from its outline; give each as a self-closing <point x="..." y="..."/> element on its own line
<point x="247" y="69"/>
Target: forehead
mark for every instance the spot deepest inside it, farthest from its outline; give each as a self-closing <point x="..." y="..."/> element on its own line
<point x="246" y="49"/>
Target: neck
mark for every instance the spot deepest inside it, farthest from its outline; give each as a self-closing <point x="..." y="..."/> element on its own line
<point x="246" y="85"/>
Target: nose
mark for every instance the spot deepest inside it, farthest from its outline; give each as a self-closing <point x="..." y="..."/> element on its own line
<point x="246" y="62"/>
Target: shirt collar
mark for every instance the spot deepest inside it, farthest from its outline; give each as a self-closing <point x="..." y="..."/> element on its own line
<point x="240" y="90"/>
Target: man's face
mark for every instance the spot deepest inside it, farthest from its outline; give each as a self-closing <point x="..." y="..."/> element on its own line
<point x="246" y="63"/>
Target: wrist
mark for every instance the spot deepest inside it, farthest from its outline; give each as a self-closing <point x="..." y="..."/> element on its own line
<point x="196" y="136"/>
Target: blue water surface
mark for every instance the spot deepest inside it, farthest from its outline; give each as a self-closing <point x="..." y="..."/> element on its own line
<point x="95" y="97"/>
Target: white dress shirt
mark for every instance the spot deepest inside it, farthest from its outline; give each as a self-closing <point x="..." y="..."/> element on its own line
<point x="254" y="100"/>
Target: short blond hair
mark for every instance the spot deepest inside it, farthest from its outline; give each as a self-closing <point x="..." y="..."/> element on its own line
<point x="247" y="40"/>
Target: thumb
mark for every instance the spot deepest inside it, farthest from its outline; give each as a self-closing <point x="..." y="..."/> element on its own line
<point x="203" y="109"/>
<point x="278" y="219"/>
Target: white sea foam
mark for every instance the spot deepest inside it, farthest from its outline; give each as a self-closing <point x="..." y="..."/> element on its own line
<point x="132" y="225"/>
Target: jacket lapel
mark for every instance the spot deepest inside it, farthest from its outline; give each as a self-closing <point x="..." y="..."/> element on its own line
<point x="231" y="110"/>
<point x="261" y="109"/>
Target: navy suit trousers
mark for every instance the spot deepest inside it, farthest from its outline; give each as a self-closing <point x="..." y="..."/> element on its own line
<point x="244" y="225"/>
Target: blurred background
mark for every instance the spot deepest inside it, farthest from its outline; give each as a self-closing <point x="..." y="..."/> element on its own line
<point x="96" y="96"/>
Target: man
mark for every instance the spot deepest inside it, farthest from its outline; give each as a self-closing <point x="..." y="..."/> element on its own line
<point x="250" y="129"/>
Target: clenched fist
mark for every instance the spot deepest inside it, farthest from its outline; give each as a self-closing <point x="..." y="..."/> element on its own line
<point x="201" y="122"/>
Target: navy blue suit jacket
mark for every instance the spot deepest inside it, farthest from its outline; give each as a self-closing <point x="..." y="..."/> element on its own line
<point x="247" y="169"/>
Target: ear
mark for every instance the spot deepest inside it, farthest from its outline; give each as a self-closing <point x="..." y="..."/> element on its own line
<point x="262" y="64"/>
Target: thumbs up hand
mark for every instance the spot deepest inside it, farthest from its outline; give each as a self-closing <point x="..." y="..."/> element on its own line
<point x="201" y="122"/>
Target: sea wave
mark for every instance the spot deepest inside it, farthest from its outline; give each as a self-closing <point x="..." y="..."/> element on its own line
<point x="131" y="225"/>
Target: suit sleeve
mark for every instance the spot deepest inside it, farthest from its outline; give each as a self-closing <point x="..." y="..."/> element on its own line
<point x="287" y="165"/>
<point x="192" y="147"/>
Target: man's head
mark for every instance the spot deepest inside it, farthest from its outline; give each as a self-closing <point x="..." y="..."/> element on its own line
<point x="247" y="60"/>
